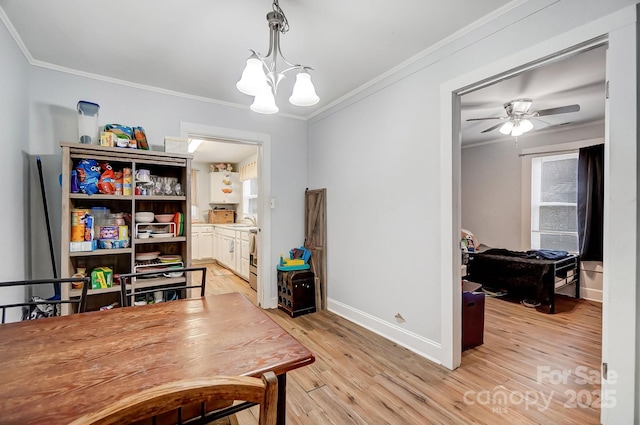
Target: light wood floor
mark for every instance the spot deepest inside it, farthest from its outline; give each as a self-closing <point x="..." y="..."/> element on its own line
<point x="533" y="368"/>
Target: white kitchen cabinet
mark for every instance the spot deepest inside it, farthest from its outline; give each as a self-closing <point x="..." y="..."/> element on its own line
<point x="244" y="255"/>
<point x="225" y="188"/>
<point x="205" y="243"/>
<point x="226" y="247"/>
<point x="231" y="248"/>
<point x="202" y="242"/>
<point x="195" y="244"/>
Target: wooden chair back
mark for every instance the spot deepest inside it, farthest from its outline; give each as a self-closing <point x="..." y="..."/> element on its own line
<point x="55" y="302"/>
<point x="149" y="282"/>
<point x="168" y="397"/>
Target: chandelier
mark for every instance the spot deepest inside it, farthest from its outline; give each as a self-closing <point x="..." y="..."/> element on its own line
<point x="260" y="77"/>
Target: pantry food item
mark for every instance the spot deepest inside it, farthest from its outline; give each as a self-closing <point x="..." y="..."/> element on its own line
<point x="127" y="182"/>
<point x="101" y="277"/>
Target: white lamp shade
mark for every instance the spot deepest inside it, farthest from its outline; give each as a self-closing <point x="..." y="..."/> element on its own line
<point x="506" y="127"/>
<point x="264" y="102"/>
<point x="304" y="94"/>
<point x="526" y="125"/>
<point x="517" y="130"/>
<point x="253" y="77"/>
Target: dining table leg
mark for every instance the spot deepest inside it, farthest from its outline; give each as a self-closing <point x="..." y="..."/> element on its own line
<point x="282" y="398"/>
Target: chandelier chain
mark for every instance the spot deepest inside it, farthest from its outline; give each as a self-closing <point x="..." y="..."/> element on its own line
<point x="285" y="23"/>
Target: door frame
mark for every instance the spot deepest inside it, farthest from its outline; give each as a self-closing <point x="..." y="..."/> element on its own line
<point x="267" y="293"/>
<point x="619" y="332"/>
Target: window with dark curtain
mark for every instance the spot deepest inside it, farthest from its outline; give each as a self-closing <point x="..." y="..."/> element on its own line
<point x="590" y="202"/>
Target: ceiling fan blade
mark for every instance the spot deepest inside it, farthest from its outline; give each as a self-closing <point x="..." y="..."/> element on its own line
<point x="491" y="128"/>
<point x="488" y="118"/>
<point x="542" y="121"/>
<point x="559" y="110"/>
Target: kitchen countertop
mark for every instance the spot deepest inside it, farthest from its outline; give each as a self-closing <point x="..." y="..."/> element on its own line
<point x="231" y="226"/>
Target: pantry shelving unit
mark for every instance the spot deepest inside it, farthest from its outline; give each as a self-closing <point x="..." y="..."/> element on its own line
<point x="122" y="260"/>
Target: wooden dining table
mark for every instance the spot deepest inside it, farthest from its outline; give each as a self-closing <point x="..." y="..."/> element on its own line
<point x="54" y="370"/>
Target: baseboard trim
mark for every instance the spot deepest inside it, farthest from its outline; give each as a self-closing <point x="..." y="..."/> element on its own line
<point x="411" y="341"/>
<point x="591" y="294"/>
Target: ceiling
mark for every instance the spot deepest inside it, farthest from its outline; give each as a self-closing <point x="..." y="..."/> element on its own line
<point x="227" y="152"/>
<point x="578" y="79"/>
<point x="199" y="48"/>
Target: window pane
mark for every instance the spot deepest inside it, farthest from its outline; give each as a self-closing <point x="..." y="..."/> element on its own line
<point x="559" y="180"/>
<point x="559" y="242"/>
<point x="559" y="218"/>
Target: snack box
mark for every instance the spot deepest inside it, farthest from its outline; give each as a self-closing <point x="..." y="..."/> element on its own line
<point x="114" y="232"/>
<point x="101" y="277"/>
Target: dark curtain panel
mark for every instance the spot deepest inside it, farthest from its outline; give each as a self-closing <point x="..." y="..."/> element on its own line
<point x="590" y="202"/>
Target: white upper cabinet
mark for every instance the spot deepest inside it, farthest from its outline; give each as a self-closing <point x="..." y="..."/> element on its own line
<point x="225" y="188"/>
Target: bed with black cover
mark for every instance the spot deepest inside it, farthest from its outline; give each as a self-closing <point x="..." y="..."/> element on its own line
<point x="530" y="275"/>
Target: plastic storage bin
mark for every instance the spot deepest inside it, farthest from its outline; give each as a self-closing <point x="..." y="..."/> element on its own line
<point x="88" y="130"/>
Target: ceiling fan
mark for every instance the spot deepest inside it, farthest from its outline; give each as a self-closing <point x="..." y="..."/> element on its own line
<point x="518" y="119"/>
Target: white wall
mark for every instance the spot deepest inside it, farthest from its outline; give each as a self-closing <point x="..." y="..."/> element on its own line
<point x="53" y="98"/>
<point x="384" y="224"/>
<point x="15" y="166"/>
<point x="492" y="185"/>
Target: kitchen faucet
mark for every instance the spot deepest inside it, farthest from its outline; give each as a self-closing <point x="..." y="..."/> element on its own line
<point x="251" y="218"/>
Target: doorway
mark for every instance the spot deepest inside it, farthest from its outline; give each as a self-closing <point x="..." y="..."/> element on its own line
<point x="266" y="292"/>
<point x="496" y="206"/>
<point x="620" y="219"/>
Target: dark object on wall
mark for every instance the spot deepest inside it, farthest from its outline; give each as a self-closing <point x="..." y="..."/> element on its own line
<point x="56" y="286"/>
<point x="472" y="319"/>
<point x="591" y="202"/>
<point x="296" y="292"/>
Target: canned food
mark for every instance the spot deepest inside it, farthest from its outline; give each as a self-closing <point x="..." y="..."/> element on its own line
<point x="78" y="224"/>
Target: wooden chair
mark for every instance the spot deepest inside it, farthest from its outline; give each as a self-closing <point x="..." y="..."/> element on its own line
<point x="169" y="397"/>
<point x="55" y="302"/>
<point x="138" y="284"/>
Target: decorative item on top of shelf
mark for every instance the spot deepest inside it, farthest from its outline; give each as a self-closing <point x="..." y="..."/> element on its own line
<point x="177" y="145"/>
<point x="123" y="136"/>
<point x="141" y="138"/>
<point x="88" y="122"/>
<point x="221" y="167"/>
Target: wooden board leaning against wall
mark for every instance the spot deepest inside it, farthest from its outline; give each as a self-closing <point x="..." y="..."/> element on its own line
<point x="315" y="233"/>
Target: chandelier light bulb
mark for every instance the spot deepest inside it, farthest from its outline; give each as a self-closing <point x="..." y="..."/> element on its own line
<point x="264" y="102"/>
<point x="304" y="94"/>
<point x="253" y="77"/>
<point x="506" y="128"/>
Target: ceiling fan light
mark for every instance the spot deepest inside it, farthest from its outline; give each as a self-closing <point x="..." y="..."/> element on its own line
<point x="517" y="130"/>
<point x="506" y="128"/>
<point x="264" y="102"/>
<point x="253" y="77"/>
<point x="304" y="94"/>
<point x="526" y="125"/>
